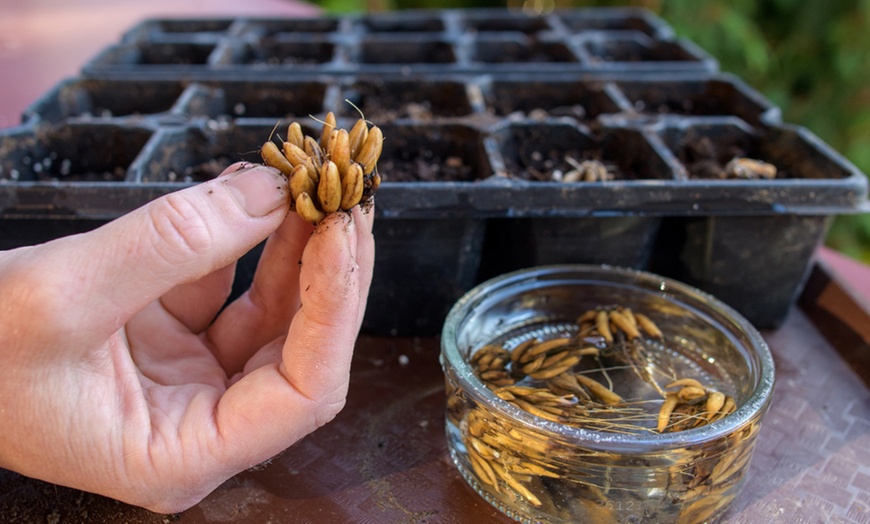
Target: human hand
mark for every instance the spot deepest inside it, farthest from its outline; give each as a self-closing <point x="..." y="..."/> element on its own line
<point x="120" y="374"/>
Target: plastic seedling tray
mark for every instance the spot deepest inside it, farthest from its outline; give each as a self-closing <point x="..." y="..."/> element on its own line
<point x="481" y="110"/>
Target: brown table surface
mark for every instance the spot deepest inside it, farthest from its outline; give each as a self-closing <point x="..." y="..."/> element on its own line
<point x="384" y="459"/>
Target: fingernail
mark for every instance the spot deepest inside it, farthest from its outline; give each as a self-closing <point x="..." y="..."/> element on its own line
<point x="364" y="216"/>
<point x="259" y="190"/>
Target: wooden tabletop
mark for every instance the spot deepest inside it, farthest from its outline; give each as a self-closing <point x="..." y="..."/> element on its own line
<point x="384" y="458"/>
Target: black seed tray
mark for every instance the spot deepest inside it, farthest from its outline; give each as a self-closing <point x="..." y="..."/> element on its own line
<point x="474" y="154"/>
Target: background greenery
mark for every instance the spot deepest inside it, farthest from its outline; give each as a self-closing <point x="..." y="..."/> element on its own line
<point x="810" y="57"/>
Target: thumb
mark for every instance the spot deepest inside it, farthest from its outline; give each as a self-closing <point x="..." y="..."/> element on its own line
<point x="176" y="239"/>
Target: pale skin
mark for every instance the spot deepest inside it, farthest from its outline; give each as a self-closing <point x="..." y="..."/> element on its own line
<point x="120" y="374"/>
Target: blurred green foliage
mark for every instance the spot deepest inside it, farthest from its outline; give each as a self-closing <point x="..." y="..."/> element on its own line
<point x="810" y="57"/>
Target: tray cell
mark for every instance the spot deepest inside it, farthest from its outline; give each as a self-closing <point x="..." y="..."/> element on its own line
<point x="295" y="26"/>
<point x="635" y="50"/>
<point x="513" y="23"/>
<point x="402" y="24"/>
<point x="561" y="98"/>
<point x="705" y="149"/>
<point x="106" y="98"/>
<point x="274" y="52"/>
<point x="201" y="153"/>
<point x="173" y="54"/>
<point x="585" y="21"/>
<point x="273" y="100"/>
<point x="717" y="96"/>
<point x="548" y="152"/>
<point x="71" y="153"/>
<point x="203" y="25"/>
<point x="387" y="100"/>
<point x="433" y="153"/>
<point x="500" y="51"/>
<point x="406" y="51"/>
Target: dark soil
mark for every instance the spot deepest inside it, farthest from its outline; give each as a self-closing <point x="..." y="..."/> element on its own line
<point x="427" y="167"/>
<point x="706" y="160"/>
<point x="537" y="162"/>
<point x="201" y="172"/>
<point x="93" y="176"/>
<point x="575" y="111"/>
<point x="383" y="101"/>
<point x="541" y="165"/>
<point x="380" y="110"/>
<point x="701" y="157"/>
